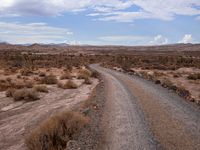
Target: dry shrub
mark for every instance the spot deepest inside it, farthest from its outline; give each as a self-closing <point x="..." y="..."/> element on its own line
<point x="9" y="92"/>
<point x="41" y="88"/>
<point x="95" y="74"/>
<point x="26" y="72"/>
<point x="194" y="76"/>
<point x="54" y="133"/>
<point x="19" y="76"/>
<point x="167" y="83"/>
<point x="84" y="73"/>
<point x="28" y="84"/>
<point x="66" y="75"/>
<point x="42" y="74"/>
<point x="50" y="79"/>
<point x="87" y="81"/>
<point x="67" y="85"/>
<point x="4" y="85"/>
<point x="25" y="94"/>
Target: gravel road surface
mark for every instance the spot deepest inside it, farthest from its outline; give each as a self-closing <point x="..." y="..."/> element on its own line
<point x="140" y="115"/>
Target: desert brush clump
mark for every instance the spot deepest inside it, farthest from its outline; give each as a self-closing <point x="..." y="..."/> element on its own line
<point x="55" y="132"/>
<point x="68" y="85"/>
<point x="87" y="80"/>
<point x="195" y="76"/>
<point x="84" y="73"/>
<point x="41" y="88"/>
<point x="49" y="79"/>
<point x="26" y="72"/>
<point x="22" y="94"/>
<point x="66" y="75"/>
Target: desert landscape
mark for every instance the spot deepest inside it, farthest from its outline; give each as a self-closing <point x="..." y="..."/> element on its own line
<point x="48" y="100"/>
<point x="99" y="75"/>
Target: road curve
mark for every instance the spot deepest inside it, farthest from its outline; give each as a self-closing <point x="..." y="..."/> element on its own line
<point x="140" y="115"/>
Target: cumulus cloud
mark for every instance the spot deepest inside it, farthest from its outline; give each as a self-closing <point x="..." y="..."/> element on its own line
<point x="106" y="10"/>
<point x="18" y="33"/>
<point x="159" y="40"/>
<point x="134" y="40"/>
<point x="186" y="39"/>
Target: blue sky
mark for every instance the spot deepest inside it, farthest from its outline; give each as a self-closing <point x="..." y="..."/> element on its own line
<point x="102" y="22"/>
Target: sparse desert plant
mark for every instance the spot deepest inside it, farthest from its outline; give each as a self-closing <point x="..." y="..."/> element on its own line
<point x="19" y="76"/>
<point x="55" y="132"/>
<point x="87" y="81"/>
<point x="4" y="85"/>
<point x="95" y="74"/>
<point x="49" y="79"/>
<point x="10" y="92"/>
<point x="66" y="75"/>
<point x="41" y="88"/>
<point x="167" y="83"/>
<point x="42" y="74"/>
<point x="25" y="94"/>
<point x="26" y="72"/>
<point x="195" y="76"/>
<point x="68" y="85"/>
<point x="84" y="73"/>
<point x="28" y="84"/>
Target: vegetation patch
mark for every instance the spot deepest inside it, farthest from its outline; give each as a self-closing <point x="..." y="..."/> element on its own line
<point x="49" y="79"/>
<point x="68" y="85"/>
<point x="22" y="94"/>
<point x="195" y="76"/>
<point x="54" y="133"/>
<point x="41" y="88"/>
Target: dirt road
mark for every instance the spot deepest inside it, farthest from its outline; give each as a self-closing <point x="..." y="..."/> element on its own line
<point x="140" y="115"/>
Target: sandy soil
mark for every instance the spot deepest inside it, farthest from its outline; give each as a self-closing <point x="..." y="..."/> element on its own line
<point x="18" y="118"/>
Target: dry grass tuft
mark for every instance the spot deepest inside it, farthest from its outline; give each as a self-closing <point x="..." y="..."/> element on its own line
<point x="66" y="75"/>
<point x="67" y="85"/>
<point x="87" y="81"/>
<point x="26" y="72"/>
<point x="41" y="88"/>
<point x="50" y="79"/>
<point x="54" y="133"/>
<point x="195" y="76"/>
<point x="84" y="73"/>
<point x="9" y="92"/>
<point x="22" y="94"/>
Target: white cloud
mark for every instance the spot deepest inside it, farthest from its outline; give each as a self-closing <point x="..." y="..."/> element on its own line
<point x="31" y="33"/>
<point x="134" y="40"/>
<point x="107" y="10"/>
<point x="186" y="39"/>
<point x="159" y="40"/>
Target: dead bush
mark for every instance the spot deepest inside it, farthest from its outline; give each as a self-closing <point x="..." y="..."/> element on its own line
<point x="28" y="84"/>
<point x="54" y="133"/>
<point x="49" y="79"/>
<point x="84" y="73"/>
<point x="25" y="94"/>
<point x="87" y="81"/>
<point x="66" y="75"/>
<point x="67" y="85"/>
<point x="4" y="85"/>
<point x="42" y="74"/>
<point x="41" y="88"/>
<point x="26" y="72"/>
<point x="95" y="74"/>
<point x="10" y="92"/>
<point x="195" y="76"/>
